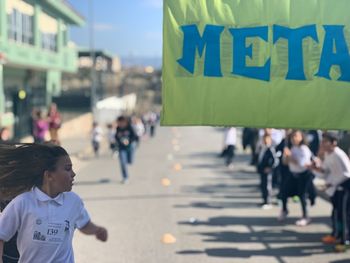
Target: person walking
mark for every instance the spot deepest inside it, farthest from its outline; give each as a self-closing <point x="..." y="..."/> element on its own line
<point x="125" y="138"/>
<point x="230" y="145"/>
<point x="250" y="138"/>
<point x="288" y="184"/>
<point x="40" y="127"/>
<point x="55" y="122"/>
<point x="96" y="138"/>
<point x="335" y="169"/>
<point x="298" y="159"/>
<point x="111" y="137"/>
<point x="267" y="161"/>
<point x="44" y="212"/>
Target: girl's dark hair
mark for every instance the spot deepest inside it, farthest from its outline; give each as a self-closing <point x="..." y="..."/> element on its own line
<point x="303" y="140"/>
<point x="122" y="118"/>
<point x="22" y="166"/>
<point x="330" y="136"/>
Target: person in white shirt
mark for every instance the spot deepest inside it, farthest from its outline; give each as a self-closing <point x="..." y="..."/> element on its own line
<point x="335" y="169"/>
<point x="96" y="137"/>
<point x="111" y="137"/>
<point x="230" y="145"/>
<point x="298" y="159"/>
<point x="44" y="212"/>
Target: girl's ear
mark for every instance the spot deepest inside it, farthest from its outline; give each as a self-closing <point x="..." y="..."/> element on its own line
<point x="47" y="176"/>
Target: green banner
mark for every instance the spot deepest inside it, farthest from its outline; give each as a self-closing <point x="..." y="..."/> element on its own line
<point x="257" y="63"/>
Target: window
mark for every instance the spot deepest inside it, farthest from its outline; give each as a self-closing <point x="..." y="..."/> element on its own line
<point x="48" y="27"/>
<point x="49" y="41"/>
<point x="20" y="27"/>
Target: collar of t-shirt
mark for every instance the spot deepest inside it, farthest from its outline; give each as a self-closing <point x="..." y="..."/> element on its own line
<point x="41" y="196"/>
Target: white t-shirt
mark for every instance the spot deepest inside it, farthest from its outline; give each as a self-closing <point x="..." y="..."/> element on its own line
<point x="45" y="225"/>
<point x="111" y="135"/>
<point x="97" y="134"/>
<point x="302" y="155"/>
<point x="337" y="169"/>
<point x="230" y="136"/>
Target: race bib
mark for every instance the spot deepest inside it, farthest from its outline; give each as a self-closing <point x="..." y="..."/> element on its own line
<point x="50" y="232"/>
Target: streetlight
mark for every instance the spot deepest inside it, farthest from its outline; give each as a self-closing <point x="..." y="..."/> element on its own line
<point x="92" y="57"/>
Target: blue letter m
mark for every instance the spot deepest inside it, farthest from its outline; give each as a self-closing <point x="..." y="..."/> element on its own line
<point x="210" y="40"/>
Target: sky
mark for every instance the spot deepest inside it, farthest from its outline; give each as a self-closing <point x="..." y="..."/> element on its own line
<point x="127" y="28"/>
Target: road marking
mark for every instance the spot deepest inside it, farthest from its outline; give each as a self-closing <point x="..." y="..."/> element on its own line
<point x="166" y="182"/>
<point x="168" y="239"/>
<point x="177" y="167"/>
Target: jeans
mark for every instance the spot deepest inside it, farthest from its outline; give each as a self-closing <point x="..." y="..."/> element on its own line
<point x="126" y="157"/>
<point x="266" y="186"/>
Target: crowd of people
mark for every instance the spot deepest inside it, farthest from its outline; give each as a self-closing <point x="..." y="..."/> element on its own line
<point x="288" y="161"/>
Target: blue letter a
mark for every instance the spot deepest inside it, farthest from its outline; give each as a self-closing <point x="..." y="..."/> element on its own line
<point x="334" y="38"/>
<point x="210" y="40"/>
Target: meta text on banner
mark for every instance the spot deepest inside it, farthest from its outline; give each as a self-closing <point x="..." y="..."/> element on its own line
<point x="334" y="50"/>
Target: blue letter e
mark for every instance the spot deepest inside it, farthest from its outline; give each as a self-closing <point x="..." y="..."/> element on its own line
<point x="240" y="51"/>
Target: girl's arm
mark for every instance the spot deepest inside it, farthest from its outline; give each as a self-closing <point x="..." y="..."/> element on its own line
<point x="92" y="229"/>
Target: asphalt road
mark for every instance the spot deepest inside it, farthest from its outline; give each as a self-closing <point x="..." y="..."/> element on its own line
<point x="183" y="205"/>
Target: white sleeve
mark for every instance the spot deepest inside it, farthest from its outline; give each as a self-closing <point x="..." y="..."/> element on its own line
<point x="83" y="217"/>
<point x="10" y="220"/>
<point x="305" y="157"/>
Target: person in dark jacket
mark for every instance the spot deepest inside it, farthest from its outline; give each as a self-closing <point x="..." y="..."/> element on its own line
<point x="266" y="163"/>
<point x="250" y="138"/>
<point x="126" y="138"/>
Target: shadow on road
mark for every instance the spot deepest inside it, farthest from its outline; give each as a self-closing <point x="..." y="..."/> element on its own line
<point x="225" y="221"/>
<point x="295" y="251"/>
<point x="239" y="189"/>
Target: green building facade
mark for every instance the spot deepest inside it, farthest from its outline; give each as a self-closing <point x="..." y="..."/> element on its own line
<point x="34" y="51"/>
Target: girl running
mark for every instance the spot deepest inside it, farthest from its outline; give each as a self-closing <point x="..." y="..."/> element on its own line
<point x="44" y="212"/>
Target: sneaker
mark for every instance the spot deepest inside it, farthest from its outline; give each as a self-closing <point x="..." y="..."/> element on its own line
<point x="266" y="206"/>
<point x="340" y="248"/>
<point x="303" y="222"/>
<point x="283" y="216"/>
<point x="230" y="166"/>
<point x="124" y="181"/>
<point x="329" y="239"/>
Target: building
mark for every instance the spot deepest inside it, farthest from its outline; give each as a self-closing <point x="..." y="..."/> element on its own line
<point x="77" y="87"/>
<point x="34" y="52"/>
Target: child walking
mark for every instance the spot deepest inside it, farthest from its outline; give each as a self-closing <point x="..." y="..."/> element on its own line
<point x="298" y="159"/>
<point x="267" y="161"/>
<point x="96" y="138"/>
<point x="336" y="171"/>
<point x="44" y="212"/>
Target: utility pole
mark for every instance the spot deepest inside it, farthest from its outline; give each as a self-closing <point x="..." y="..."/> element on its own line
<point x="92" y="57"/>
